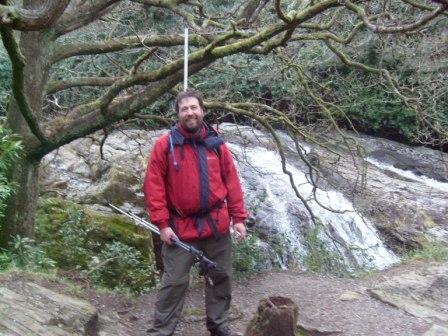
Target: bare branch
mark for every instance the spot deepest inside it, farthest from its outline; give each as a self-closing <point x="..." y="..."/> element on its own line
<point x="83" y="15"/>
<point x="63" y="51"/>
<point x="32" y="19"/>
<point x="422" y="6"/>
<point x="56" y="86"/>
<point x="396" y="28"/>
<point x="174" y="7"/>
<point x="121" y="109"/>
<point x="280" y="13"/>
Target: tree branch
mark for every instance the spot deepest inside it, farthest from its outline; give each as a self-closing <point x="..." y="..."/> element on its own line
<point x="172" y="6"/>
<point x="83" y="15"/>
<point x="80" y="125"/>
<point x="59" y="85"/>
<point x="396" y="28"/>
<point x="32" y="19"/>
<point x="63" y="51"/>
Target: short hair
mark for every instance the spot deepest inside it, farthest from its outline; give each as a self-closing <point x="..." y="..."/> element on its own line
<point x="189" y="93"/>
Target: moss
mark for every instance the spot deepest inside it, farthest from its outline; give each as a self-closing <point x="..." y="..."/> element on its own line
<point x="53" y="212"/>
<point x="79" y="238"/>
<point x="428" y="221"/>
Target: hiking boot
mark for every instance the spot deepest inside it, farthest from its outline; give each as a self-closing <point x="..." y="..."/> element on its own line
<point x="224" y="331"/>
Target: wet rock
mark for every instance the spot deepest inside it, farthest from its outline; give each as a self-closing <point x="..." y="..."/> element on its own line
<point x="421" y="293"/>
<point x="436" y="330"/>
<point x="405" y="212"/>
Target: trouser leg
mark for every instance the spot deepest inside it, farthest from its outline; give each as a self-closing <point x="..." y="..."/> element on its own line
<point x="218" y="296"/>
<point x="171" y="295"/>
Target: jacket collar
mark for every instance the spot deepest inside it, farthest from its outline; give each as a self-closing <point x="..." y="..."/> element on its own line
<point x="206" y="134"/>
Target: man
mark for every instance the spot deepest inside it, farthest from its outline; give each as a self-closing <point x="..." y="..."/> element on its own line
<point x="193" y="192"/>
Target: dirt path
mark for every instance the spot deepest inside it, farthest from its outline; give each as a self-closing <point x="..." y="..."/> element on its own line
<point x="333" y="305"/>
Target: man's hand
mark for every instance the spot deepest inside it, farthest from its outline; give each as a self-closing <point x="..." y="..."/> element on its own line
<point x="240" y="230"/>
<point x="166" y="234"/>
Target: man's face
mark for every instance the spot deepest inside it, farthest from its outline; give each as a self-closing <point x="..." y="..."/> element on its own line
<point x="190" y="114"/>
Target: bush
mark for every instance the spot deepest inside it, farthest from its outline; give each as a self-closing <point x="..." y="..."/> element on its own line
<point x="111" y="252"/>
<point x="122" y="268"/>
<point x="25" y="254"/>
<point x="435" y="251"/>
<point x="246" y="256"/>
<point x="9" y="152"/>
<point x="318" y="258"/>
<point x="5" y="81"/>
<point x="375" y="111"/>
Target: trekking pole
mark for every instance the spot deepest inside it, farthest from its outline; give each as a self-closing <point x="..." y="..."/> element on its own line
<point x="205" y="264"/>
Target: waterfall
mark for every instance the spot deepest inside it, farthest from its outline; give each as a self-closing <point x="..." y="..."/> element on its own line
<point x="262" y="175"/>
<point x="410" y="175"/>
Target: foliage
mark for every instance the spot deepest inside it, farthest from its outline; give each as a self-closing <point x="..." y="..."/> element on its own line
<point x="5" y="79"/>
<point x="246" y="256"/>
<point x="318" y="257"/>
<point x="25" y="254"/>
<point x="122" y="268"/>
<point x="373" y="110"/>
<point x="435" y="251"/>
<point x="111" y="252"/>
<point x="9" y="152"/>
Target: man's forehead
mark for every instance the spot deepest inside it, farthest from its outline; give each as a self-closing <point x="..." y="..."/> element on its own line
<point x="189" y="101"/>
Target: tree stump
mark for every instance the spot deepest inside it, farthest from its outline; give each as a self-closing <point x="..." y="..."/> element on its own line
<point x="276" y="316"/>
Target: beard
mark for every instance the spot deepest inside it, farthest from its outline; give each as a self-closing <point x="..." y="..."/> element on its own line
<point x="191" y="125"/>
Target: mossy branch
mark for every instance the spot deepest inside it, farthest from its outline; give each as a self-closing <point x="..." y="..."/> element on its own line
<point x="32" y="19"/>
<point x="383" y="29"/>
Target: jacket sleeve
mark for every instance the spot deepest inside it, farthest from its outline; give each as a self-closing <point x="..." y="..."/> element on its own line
<point x="235" y="202"/>
<point x="154" y="184"/>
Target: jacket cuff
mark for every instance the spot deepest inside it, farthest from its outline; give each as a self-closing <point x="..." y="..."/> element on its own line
<point x="238" y="220"/>
<point x="162" y="224"/>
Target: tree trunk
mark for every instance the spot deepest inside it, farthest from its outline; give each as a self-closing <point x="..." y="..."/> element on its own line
<point x="19" y="218"/>
<point x="276" y="316"/>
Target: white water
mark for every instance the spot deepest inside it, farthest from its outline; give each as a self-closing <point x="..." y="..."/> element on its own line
<point x="410" y="175"/>
<point x="358" y="234"/>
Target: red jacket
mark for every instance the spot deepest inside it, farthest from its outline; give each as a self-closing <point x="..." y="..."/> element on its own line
<point x="191" y="184"/>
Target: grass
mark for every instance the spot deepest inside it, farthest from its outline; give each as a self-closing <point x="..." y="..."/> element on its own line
<point x="431" y="251"/>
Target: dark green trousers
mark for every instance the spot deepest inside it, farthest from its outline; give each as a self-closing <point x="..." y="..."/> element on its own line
<point x="175" y="280"/>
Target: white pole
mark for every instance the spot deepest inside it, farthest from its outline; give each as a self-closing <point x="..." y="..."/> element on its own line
<point x="186" y="60"/>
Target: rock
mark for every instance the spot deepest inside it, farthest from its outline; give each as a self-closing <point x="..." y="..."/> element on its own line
<point x="351" y="296"/>
<point x="312" y="330"/>
<point x="405" y="212"/>
<point x="420" y="293"/>
<point x="35" y="310"/>
<point x="436" y="330"/>
<point x="276" y="316"/>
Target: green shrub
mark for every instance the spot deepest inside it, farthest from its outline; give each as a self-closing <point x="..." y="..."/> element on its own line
<point x="376" y="111"/>
<point x="246" y="256"/>
<point x="122" y="268"/>
<point x="319" y="258"/>
<point x="435" y="251"/>
<point x="9" y="152"/>
<point x="110" y="251"/>
<point x="25" y="254"/>
<point x="5" y="81"/>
